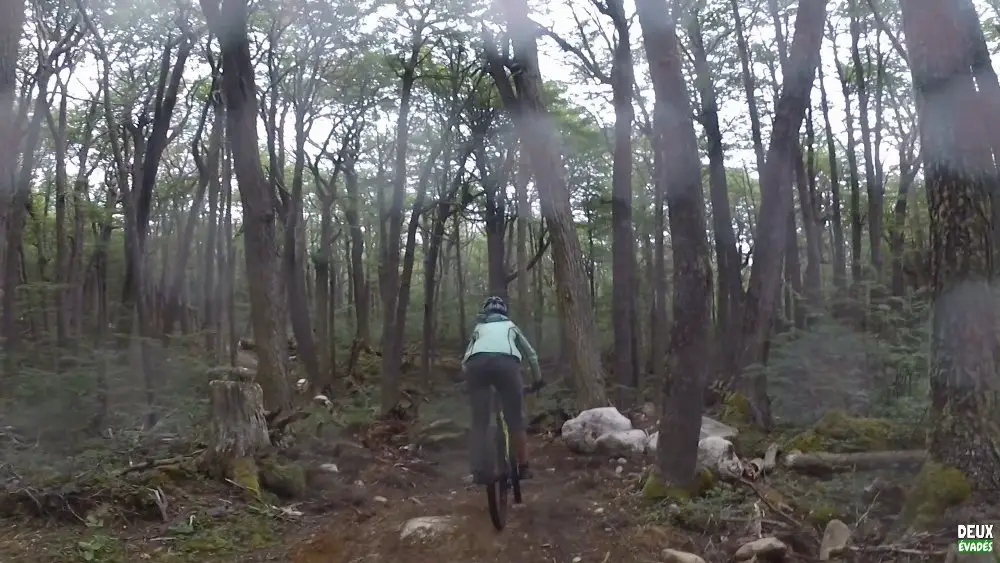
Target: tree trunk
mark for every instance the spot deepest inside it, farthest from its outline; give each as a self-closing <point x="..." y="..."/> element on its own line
<point x="775" y="198"/>
<point x="623" y="267"/>
<point x="727" y="256"/>
<point x="680" y="413"/>
<point x="873" y="189"/>
<point x="837" y="223"/>
<point x="537" y="132"/>
<point x="959" y="175"/>
<point x="229" y="23"/>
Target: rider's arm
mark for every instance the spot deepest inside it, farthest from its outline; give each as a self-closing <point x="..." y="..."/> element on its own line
<point x="529" y="353"/>
<point x="472" y="341"/>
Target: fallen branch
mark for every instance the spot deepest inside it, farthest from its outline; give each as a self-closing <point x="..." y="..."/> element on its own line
<point x="822" y="463"/>
<point x="154" y="463"/>
<point x="784" y="516"/>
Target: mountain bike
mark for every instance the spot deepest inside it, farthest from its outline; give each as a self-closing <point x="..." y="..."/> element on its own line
<point x="504" y="464"/>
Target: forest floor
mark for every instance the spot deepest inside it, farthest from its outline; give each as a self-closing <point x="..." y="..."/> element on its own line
<point x="578" y="509"/>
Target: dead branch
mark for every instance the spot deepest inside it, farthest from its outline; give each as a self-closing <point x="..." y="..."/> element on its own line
<point x="154" y="463"/>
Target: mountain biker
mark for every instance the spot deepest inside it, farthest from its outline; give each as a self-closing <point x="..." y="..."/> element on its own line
<point x="493" y="360"/>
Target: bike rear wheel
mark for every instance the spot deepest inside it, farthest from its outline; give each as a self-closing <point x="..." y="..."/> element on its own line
<point x="497" y="491"/>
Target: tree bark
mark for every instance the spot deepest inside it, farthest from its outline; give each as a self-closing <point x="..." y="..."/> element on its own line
<point x="775" y="198"/>
<point x="537" y="133"/>
<point x="680" y="414"/>
<point x="960" y="177"/>
<point x="238" y="432"/>
<point x="228" y="22"/>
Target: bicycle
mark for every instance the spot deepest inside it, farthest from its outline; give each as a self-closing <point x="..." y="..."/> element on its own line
<point x="507" y="479"/>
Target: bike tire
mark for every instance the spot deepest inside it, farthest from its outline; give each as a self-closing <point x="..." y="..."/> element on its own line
<point x="496" y="492"/>
<point x="515" y="479"/>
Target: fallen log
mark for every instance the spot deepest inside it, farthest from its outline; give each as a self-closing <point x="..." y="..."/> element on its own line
<point x="825" y="463"/>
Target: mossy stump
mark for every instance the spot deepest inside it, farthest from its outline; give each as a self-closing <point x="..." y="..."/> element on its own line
<point x="238" y="432"/>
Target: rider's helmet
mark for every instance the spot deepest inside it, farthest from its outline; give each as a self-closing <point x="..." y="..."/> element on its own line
<point x="495" y="305"/>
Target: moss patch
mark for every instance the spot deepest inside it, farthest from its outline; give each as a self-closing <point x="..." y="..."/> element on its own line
<point x="243" y="472"/>
<point x="936" y="488"/>
<point x="653" y="487"/>
<point x="287" y="481"/>
<point x="838" y="432"/>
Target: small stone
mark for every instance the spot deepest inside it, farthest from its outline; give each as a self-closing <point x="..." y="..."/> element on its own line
<point x="767" y="549"/>
<point x="330" y="468"/>
<point x="577" y="559"/>
<point x="621" y="461"/>
<point x="380" y="499"/>
<point x="425" y="527"/>
<point x="835" y="539"/>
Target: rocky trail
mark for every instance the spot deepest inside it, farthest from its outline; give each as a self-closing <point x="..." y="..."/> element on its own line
<point x="377" y="491"/>
<point x="572" y="513"/>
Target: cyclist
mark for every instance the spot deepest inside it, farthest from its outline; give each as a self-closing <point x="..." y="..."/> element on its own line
<point x="493" y="360"/>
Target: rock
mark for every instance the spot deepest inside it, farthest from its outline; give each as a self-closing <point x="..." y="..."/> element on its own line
<point x="425" y="527"/>
<point x="380" y="499"/>
<point x="648" y="410"/>
<point x="330" y="468"/>
<point x="709" y="428"/>
<point x="835" y="539"/>
<point x="582" y="432"/>
<point x="675" y="556"/>
<point x="718" y="454"/>
<point x="623" y="442"/>
<point x="764" y="549"/>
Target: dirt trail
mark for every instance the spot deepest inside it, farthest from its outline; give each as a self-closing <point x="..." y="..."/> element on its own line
<point x="574" y="511"/>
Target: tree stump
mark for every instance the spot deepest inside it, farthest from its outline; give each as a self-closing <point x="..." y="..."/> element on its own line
<point x="238" y="432"/>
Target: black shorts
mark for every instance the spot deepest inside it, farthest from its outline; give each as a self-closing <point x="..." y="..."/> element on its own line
<point x="485" y="372"/>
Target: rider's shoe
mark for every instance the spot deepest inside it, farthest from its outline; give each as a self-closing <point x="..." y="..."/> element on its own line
<point x="524" y="472"/>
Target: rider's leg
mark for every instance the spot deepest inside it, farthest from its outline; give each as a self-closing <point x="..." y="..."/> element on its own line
<point x="510" y="388"/>
<point x="480" y="395"/>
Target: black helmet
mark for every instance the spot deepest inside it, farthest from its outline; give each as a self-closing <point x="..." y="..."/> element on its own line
<point x="494" y="305"/>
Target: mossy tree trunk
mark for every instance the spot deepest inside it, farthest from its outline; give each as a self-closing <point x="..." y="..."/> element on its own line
<point x="238" y="432"/>
<point x="960" y="175"/>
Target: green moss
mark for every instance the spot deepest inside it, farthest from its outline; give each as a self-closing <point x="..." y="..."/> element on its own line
<point x="285" y="480"/>
<point x="653" y="487"/>
<point x="736" y="411"/>
<point x="838" y="432"/>
<point x="821" y="514"/>
<point x="227" y="537"/>
<point x="243" y="472"/>
<point x="936" y="488"/>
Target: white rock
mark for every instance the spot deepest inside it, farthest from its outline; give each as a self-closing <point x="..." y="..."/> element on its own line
<point x="622" y="442"/>
<point x="675" y="556"/>
<point x="836" y="536"/>
<point x="767" y="548"/>
<point x="330" y="468"/>
<point x="380" y="499"/>
<point x="582" y="432"/>
<point x="719" y="455"/>
<point x="425" y="527"/>
<point x="709" y="428"/>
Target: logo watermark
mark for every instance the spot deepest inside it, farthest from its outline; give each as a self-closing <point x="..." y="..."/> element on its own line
<point x="975" y="538"/>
